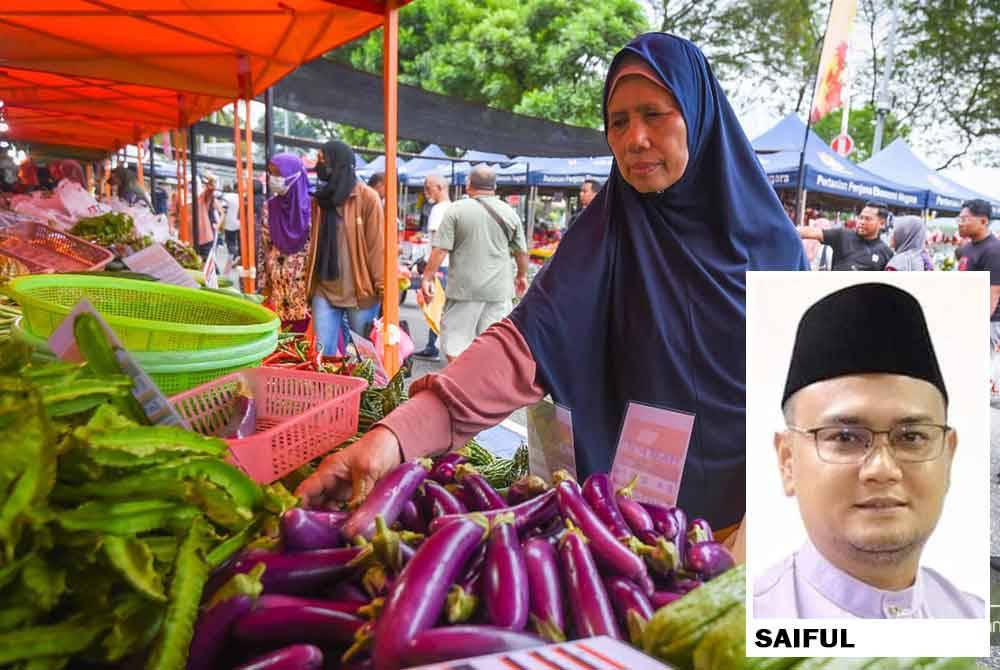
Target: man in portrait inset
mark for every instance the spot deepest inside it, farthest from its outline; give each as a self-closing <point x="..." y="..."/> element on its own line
<point x="867" y="453"/>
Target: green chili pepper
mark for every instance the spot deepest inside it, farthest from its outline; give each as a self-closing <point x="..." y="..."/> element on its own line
<point x="69" y="637"/>
<point x="133" y="559"/>
<point x="190" y="575"/>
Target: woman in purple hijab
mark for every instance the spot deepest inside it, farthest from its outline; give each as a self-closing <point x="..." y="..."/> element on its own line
<point x="286" y="240"/>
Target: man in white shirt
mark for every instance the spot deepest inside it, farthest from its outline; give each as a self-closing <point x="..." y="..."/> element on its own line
<point x="436" y="191"/>
<point x="231" y="221"/>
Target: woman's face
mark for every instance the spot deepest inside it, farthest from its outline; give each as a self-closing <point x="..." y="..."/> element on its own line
<point x="647" y="134"/>
<point x="272" y="169"/>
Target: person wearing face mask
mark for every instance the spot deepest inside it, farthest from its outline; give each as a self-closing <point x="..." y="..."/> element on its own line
<point x="644" y="301"/>
<point x="285" y="240"/>
<point x="346" y="266"/>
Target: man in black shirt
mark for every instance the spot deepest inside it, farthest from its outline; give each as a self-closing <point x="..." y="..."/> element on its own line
<point x="983" y="252"/>
<point x="860" y="250"/>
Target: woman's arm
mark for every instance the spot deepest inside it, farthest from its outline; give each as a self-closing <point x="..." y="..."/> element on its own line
<point x="491" y="379"/>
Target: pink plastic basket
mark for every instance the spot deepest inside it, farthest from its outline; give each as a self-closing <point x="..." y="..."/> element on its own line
<point x="300" y="416"/>
<point x="45" y="249"/>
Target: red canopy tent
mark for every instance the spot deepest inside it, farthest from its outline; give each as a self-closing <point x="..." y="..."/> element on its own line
<point x="105" y="74"/>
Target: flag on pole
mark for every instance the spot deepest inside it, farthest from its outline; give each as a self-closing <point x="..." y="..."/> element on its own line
<point x="833" y="60"/>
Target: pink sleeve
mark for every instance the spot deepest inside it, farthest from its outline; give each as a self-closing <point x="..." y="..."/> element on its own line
<point x="491" y="379"/>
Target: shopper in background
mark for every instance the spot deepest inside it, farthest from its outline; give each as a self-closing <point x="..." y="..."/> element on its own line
<point x="908" y="237"/>
<point x="436" y="192"/>
<point x="209" y="217"/>
<point x="73" y="171"/>
<point x="285" y="240"/>
<point x="128" y="187"/>
<point x="377" y="182"/>
<point x="856" y="250"/>
<point x="644" y="300"/>
<point x="346" y="265"/>
<point x="588" y="191"/>
<point x="983" y="252"/>
<point x="27" y="177"/>
<point x="231" y="220"/>
<point x="480" y="235"/>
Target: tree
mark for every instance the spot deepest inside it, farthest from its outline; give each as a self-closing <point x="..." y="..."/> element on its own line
<point x="544" y="58"/>
<point x="861" y="128"/>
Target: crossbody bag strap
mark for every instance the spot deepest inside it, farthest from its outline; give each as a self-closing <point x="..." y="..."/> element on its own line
<point x="496" y="217"/>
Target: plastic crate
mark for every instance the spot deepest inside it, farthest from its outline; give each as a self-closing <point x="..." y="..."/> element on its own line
<point x="300" y="416"/>
<point x="44" y="249"/>
<point x="145" y="315"/>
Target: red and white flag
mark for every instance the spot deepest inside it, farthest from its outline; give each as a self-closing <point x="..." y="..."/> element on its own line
<point x="833" y="61"/>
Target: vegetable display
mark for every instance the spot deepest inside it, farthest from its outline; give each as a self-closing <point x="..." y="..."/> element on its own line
<point x="109" y="528"/>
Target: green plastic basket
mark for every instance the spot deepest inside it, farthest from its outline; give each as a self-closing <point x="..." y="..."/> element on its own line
<point x="177" y="371"/>
<point x="146" y="316"/>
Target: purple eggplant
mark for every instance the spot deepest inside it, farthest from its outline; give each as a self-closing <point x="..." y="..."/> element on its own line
<point x="418" y="597"/>
<point x="439" y="501"/>
<point x="661" y="598"/>
<point x="482" y="495"/>
<point x="303" y="529"/>
<point x="683" y="585"/>
<point x="630" y="603"/>
<point x="345" y="591"/>
<point x="463" y="598"/>
<point x="599" y="493"/>
<point x="665" y="520"/>
<point x="443" y="471"/>
<point x="592" y="613"/>
<point x="243" y="421"/>
<point x="613" y="555"/>
<point x="680" y="539"/>
<point x="526" y="515"/>
<point x="708" y="559"/>
<point x="550" y="531"/>
<point x="295" y="657"/>
<point x="277" y="601"/>
<point x="438" y="645"/>
<point x="526" y="488"/>
<point x="232" y="602"/>
<point x="505" y="576"/>
<point x="548" y="616"/>
<point x="699" y="531"/>
<point x="386" y="499"/>
<point x="638" y="519"/>
<point x="302" y="572"/>
<point x="411" y="519"/>
<point x="324" y="626"/>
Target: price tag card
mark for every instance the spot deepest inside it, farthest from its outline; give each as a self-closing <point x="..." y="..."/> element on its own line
<point x="157" y="407"/>
<point x="550" y="440"/>
<point x="592" y="653"/>
<point x="653" y="445"/>
<point x="157" y="262"/>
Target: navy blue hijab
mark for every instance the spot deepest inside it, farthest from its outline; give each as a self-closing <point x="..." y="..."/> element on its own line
<point x="645" y="298"/>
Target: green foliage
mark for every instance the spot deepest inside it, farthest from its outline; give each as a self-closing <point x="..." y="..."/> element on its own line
<point x="861" y="128"/>
<point x="545" y="58"/>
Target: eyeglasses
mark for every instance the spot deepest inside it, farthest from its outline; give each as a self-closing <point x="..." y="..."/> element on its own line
<point x="850" y="445"/>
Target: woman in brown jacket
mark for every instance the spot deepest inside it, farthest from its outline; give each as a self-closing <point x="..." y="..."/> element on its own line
<point x="346" y="267"/>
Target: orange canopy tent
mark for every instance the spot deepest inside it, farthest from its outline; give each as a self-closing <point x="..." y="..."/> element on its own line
<point x="104" y="74"/>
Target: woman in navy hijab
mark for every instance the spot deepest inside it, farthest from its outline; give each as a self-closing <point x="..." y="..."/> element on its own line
<point x="644" y="300"/>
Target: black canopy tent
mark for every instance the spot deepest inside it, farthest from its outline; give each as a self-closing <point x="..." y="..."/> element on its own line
<point x="332" y="91"/>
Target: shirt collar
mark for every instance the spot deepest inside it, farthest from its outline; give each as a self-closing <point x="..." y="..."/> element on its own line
<point x="851" y="594"/>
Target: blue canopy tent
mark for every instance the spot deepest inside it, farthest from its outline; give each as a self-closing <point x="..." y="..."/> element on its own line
<point x="378" y="165"/>
<point x="570" y="172"/>
<point x="825" y="171"/>
<point x="898" y="163"/>
<point x="473" y="156"/>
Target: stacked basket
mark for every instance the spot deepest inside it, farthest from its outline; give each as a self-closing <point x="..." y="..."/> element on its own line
<point x="181" y="337"/>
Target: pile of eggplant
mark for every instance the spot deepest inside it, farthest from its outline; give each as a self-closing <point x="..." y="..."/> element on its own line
<point x="437" y="565"/>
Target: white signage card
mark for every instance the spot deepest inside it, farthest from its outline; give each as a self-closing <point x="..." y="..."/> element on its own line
<point x="550" y="440"/>
<point x="652" y="447"/>
<point x="156" y="261"/>
<point x="592" y="653"/>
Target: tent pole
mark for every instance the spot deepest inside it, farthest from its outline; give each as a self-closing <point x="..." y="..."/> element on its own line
<point x="248" y="269"/>
<point x="90" y="177"/>
<point x="268" y="132"/>
<point x="152" y="171"/>
<point x="192" y="152"/>
<point x="238" y="155"/>
<point x="801" y="205"/>
<point x="390" y="310"/>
